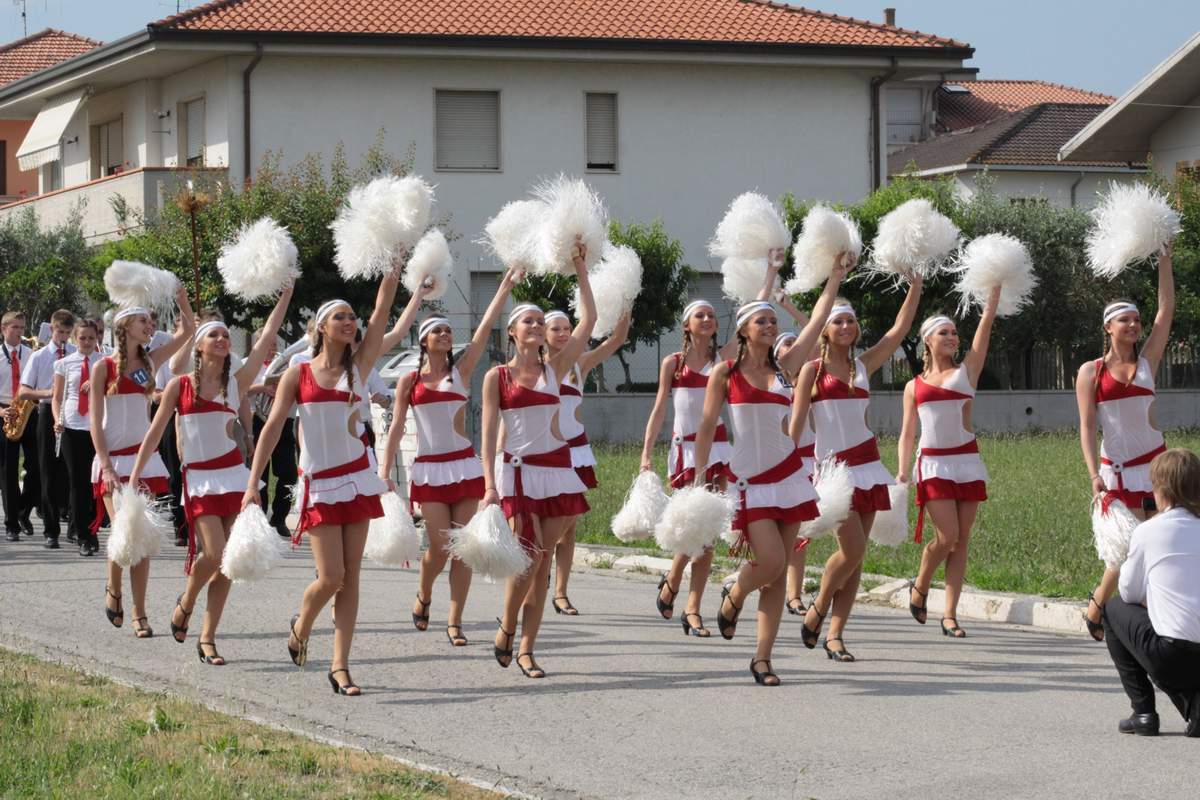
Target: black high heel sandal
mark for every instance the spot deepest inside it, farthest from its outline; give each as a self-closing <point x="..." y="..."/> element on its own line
<point x="1094" y="629"/>
<point x="459" y="640"/>
<point x="844" y="656"/>
<point x="299" y="655"/>
<point x="694" y="630"/>
<point x="116" y="618"/>
<point x="665" y="610"/>
<point x="187" y="616"/>
<point x="799" y="609"/>
<point x="767" y="678"/>
<point x="534" y="670"/>
<point x="727" y="625"/>
<point x="500" y="653"/>
<point x="421" y="621"/>
<point x="568" y="609"/>
<point x="919" y="613"/>
<point x="141" y="629"/>
<point x="343" y="689"/>
<point x="809" y="636"/>
<point x="215" y="659"/>
<point x="954" y="632"/>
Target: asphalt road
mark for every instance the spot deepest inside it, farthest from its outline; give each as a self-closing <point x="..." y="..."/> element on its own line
<point x="631" y="707"/>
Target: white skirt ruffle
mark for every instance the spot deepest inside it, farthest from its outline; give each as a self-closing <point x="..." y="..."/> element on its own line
<point x="1135" y="479"/>
<point x="964" y="468"/>
<point x="445" y="473"/>
<point x="872" y="474"/>
<point x="721" y="453"/>
<point x="541" y="483"/>
<point x="155" y="468"/>
<point x="342" y="489"/>
<point x="205" y="482"/>
<point x="583" y="456"/>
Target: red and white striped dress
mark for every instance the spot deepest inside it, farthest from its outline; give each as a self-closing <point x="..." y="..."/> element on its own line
<point x="126" y="423"/>
<point x="687" y="396"/>
<point x="536" y="476"/>
<point x="338" y="485"/>
<point x="767" y="469"/>
<point x="948" y="466"/>
<point x="446" y="469"/>
<point x="1129" y="442"/>
<point x="570" y="399"/>
<point x="839" y="421"/>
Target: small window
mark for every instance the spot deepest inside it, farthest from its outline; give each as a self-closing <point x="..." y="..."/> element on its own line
<point x="52" y="179"/>
<point x="904" y="116"/>
<point x="109" y="141"/>
<point x="467" y="130"/>
<point x="192" y="126"/>
<point x="601" y="119"/>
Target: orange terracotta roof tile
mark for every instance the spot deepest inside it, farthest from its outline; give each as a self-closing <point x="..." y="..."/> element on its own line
<point x="39" y="51"/>
<point x="706" y="21"/>
<point x="987" y="99"/>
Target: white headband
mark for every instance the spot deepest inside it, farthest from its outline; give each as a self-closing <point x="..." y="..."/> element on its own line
<point x="522" y="309"/>
<point x="1117" y="309"/>
<point x="844" y="308"/>
<point x="782" y="340"/>
<point x="750" y="309"/>
<point x="327" y="308"/>
<point x="133" y="311"/>
<point x="933" y="323"/>
<point x="429" y="325"/>
<point x="555" y="314"/>
<point x="205" y="328"/>
<point x="691" y="307"/>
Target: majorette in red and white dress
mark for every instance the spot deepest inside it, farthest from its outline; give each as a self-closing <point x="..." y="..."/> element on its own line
<point x="839" y="420"/>
<point x="1128" y="441"/>
<point x="536" y="477"/>
<point x="807" y="446"/>
<point x="214" y="472"/>
<point x="570" y="398"/>
<point x="337" y="485"/>
<point x="687" y="396"/>
<point x="446" y="468"/>
<point x="126" y="423"/>
<point x="948" y="466"/>
<point x="766" y="473"/>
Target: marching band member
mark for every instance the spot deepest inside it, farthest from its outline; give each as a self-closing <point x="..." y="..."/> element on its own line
<point x="202" y="406"/>
<point x="119" y="415"/>
<point x="72" y="421"/>
<point x="1115" y="394"/>
<point x="951" y="480"/>
<point x="19" y="501"/>
<point x="283" y="457"/>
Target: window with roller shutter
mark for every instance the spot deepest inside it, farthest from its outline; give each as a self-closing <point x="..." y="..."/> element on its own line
<point x="601" y="122"/>
<point x="193" y="137"/>
<point x="467" y="130"/>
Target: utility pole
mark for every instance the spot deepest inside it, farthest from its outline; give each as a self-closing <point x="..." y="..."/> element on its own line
<point x="24" y="16"/>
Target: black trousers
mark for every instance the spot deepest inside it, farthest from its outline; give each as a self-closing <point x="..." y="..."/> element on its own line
<point x="168" y="449"/>
<point x="19" y="501"/>
<point x="283" y="465"/>
<point x="78" y="453"/>
<point x="1144" y="659"/>
<point x="52" y="472"/>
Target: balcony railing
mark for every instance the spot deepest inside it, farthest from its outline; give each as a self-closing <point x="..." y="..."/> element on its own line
<point x="140" y="192"/>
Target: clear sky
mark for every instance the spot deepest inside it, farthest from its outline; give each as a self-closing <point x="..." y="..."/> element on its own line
<point x="1102" y="45"/>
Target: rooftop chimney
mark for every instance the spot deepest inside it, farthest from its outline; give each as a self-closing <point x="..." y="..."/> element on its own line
<point x="889" y="17"/>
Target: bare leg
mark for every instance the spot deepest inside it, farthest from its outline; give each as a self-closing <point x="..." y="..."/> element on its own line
<point x="433" y="561"/>
<point x="460" y="573"/>
<point x="535" y="599"/>
<point x="956" y="563"/>
<point x="139" y="578"/>
<point x="839" y="584"/>
<point x="516" y="588"/>
<point x="674" y="578"/>
<point x="353" y="542"/>
<point x="564" y="559"/>
<point x="767" y="575"/>
<point x="701" y="569"/>
<point x="325" y="541"/>
<point x="211" y="533"/>
<point x="795" y="579"/>
<point x="944" y="515"/>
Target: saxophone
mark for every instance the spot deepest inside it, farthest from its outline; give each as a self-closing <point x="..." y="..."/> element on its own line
<point x="14" y="428"/>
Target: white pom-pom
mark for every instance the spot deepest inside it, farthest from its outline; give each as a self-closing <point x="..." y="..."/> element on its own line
<point x="616" y="282"/>
<point x="430" y="261"/>
<point x="488" y="546"/>
<point x="131" y="283"/>
<point x="254" y="547"/>
<point x="378" y="222"/>
<point x="510" y="234"/>
<point x="742" y="278"/>
<point x="824" y="235"/>
<point x="834" y="483"/>
<point x="996" y="259"/>
<point x="891" y="526"/>
<point x="751" y="228"/>
<point x="913" y="239"/>
<point x="393" y="539"/>
<point x="693" y="520"/>
<point x="138" y="527"/>
<point x="1133" y="222"/>
<point x="573" y="214"/>
<point x="1112" y="529"/>
<point x="260" y="261"/>
<point x="644" y="506"/>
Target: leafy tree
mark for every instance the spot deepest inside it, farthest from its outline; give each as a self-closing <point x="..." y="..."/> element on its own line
<point x="41" y="270"/>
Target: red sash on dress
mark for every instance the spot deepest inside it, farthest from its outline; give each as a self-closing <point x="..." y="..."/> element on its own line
<point x="555" y="458"/>
<point x="789" y="466"/>
<point x="98" y="488"/>
<point x="357" y="465"/>
<point x="1145" y="458"/>
<point x="962" y="450"/>
<point x="230" y="459"/>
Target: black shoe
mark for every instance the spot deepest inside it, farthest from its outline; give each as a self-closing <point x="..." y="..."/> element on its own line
<point x="85" y="549"/>
<point x="300" y="655"/>
<point x="727" y="625"/>
<point x="14" y="536"/>
<point x="952" y="630"/>
<point x="1140" y="724"/>
<point x="919" y="613"/>
<point x="810" y="635"/>
<point x="282" y="529"/>
<point x="694" y="630"/>
<point x="534" y="670"/>
<point x="504" y="657"/>
<point x="842" y="655"/>
<point x="421" y="621"/>
<point x="665" y="609"/>
<point x="115" y="616"/>
<point x="26" y="527"/>
<point x="1094" y="629"/>
<point x="767" y="678"/>
<point x="566" y="608"/>
<point x="347" y="689"/>
<point x="176" y="630"/>
<point x="51" y="544"/>
<point x="72" y="538"/>
<point x="456" y="639"/>
<point x="215" y="659"/>
<point x="796" y="606"/>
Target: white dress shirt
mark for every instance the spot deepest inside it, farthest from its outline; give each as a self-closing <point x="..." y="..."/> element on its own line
<point x="21" y="354"/>
<point x="39" y="370"/>
<point x="1163" y="572"/>
<point x="71" y="368"/>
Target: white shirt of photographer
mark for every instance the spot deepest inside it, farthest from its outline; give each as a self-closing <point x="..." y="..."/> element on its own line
<point x="1163" y="572"/>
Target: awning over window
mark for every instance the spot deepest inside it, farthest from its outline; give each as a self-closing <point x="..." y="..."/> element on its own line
<point x="43" y="143"/>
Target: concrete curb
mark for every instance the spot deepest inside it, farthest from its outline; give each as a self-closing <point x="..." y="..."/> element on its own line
<point x="1063" y="616"/>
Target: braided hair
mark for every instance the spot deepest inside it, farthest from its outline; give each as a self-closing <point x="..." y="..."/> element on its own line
<point x="225" y="366"/>
<point x="121" y="358"/>
<point x="687" y="346"/>
<point x="744" y="347"/>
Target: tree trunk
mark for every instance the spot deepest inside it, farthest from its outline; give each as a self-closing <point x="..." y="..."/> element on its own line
<point x="625" y="367"/>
